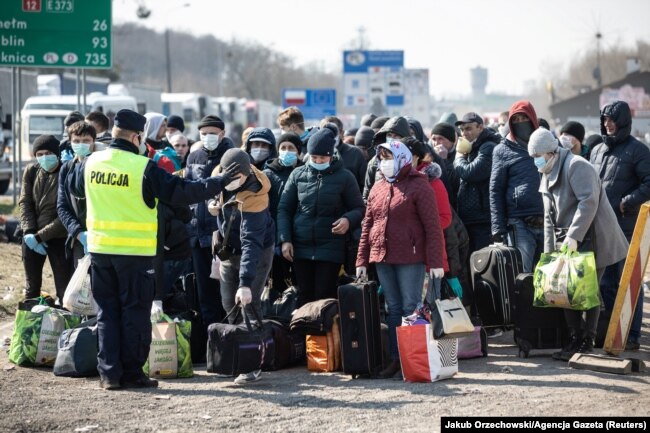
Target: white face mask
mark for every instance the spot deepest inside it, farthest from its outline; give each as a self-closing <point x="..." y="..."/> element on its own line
<point x="260" y="154"/>
<point x="210" y="141"/>
<point x="233" y="185"/>
<point x="100" y="146"/>
<point x="566" y="142"/>
<point x="387" y="167"/>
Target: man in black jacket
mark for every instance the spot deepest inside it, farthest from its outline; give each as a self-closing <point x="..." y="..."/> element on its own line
<point x="623" y="164"/>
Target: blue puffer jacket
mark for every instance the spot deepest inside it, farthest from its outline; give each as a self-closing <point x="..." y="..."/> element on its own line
<point x="514" y="185"/>
<point x="199" y="166"/>
<point x="623" y="164"/>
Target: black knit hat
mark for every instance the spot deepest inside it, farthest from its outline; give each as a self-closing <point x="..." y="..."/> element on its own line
<point x="291" y="137"/>
<point x="574" y="128"/>
<point x="378" y="123"/>
<point x="73" y="117"/>
<point x="593" y="140"/>
<point x="46" y="142"/>
<point x="543" y="123"/>
<point x="415" y="146"/>
<point x="367" y="119"/>
<point x="364" y="137"/>
<point x="240" y="157"/>
<point x="446" y="130"/>
<point x="322" y="143"/>
<point x="212" y="120"/>
<point x="177" y="122"/>
<point x="350" y="132"/>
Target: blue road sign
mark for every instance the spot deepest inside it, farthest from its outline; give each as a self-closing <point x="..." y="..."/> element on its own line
<point x="314" y="103"/>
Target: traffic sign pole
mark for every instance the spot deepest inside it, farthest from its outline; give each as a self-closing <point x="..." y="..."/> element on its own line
<point x="56" y="33"/>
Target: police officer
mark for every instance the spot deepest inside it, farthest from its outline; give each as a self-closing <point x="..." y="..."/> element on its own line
<point x="121" y="187"/>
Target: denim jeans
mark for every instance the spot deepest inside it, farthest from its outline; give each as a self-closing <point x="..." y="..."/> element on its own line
<point x="609" y="289"/>
<point x="529" y="241"/>
<point x="230" y="281"/>
<point x="402" y="285"/>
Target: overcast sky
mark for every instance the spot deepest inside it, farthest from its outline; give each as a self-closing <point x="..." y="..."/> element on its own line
<point x="514" y="39"/>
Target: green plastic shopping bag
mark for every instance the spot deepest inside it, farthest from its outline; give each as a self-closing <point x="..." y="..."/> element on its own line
<point x="566" y="280"/>
<point x="36" y="334"/>
<point x="170" y="355"/>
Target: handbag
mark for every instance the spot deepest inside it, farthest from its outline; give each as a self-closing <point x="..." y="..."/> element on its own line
<point x="566" y="280"/>
<point x="77" y="355"/>
<point x="280" y="308"/>
<point x="222" y="249"/>
<point x="78" y="296"/>
<point x="241" y="348"/>
<point x="449" y="319"/>
<point x="423" y="358"/>
<point x="170" y="355"/>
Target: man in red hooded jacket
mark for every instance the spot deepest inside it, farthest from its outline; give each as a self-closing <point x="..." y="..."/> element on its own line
<point x="515" y="202"/>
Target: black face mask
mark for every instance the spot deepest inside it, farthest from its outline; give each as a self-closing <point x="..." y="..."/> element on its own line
<point x="523" y="130"/>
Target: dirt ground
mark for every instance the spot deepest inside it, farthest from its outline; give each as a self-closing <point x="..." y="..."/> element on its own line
<point x="294" y="400"/>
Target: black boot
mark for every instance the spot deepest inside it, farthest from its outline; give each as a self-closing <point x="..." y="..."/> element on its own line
<point x="586" y="345"/>
<point x="569" y="349"/>
<point x="391" y="370"/>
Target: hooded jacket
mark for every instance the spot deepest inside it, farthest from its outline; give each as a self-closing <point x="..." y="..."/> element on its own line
<point x="264" y="135"/>
<point x="623" y="165"/>
<point x="160" y="152"/>
<point x="311" y="201"/>
<point x="200" y="165"/>
<point x="474" y="173"/>
<point x="253" y="229"/>
<point x="514" y="182"/>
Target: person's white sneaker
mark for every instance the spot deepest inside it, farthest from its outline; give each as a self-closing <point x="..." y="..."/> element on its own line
<point x="245" y="378"/>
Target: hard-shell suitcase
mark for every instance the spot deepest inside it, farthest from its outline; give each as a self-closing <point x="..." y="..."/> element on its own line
<point x="361" y="341"/>
<point x="494" y="270"/>
<point x="535" y="327"/>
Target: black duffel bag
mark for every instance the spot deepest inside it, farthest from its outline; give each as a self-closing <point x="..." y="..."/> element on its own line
<point x="279" y="308"/>
<point x="241" y="348"/>
<point x="315" y="318"/>
<point x="289" y="347"/>
<point x="77" y="354"/>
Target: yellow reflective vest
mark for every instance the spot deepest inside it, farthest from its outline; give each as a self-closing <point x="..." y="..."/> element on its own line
<point x="118" y="220"/>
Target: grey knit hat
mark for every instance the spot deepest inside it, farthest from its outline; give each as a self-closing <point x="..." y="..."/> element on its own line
<point x="238" y="156"/>
<point x="542" y="141"/>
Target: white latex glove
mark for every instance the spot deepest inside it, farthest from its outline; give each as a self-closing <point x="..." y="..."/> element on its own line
<point x="244" y="296"/>
<point x="213" y="207"/>
<point x="571" y="244"/>
<point x="436" y="273"/>
<point x="362" y="273"/>
<point x="156" y="311"/>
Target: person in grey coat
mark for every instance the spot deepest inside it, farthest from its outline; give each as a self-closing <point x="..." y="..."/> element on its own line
<point x="577" y="215"/>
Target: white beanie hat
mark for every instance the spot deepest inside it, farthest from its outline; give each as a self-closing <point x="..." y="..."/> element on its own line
<point x="542" y="141"/>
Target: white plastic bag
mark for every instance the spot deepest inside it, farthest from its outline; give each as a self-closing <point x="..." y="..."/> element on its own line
<point x="78" y="296"/>
<point x="215" y="273"/>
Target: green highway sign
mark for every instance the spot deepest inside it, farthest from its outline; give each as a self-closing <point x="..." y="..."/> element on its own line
<point x="56" y="33"/>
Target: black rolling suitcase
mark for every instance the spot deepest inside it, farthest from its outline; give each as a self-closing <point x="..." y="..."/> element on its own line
<point x="361" y="337"/>
<point x="494" y="270"/>
<point x="535" y="327"/>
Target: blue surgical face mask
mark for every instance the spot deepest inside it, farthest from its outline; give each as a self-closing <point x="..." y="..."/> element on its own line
<point x="288" y="158"/>
<point x="319" y="167"/>
<point x="81" y="149"/>
<point x="47" y="162"/>
<point x="540" y="162"/>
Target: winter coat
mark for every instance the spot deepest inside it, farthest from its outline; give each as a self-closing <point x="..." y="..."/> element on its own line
<point x="572" y="191"/>
<point x="278" y="175"/>
<point x="265" y="135"/>
<point x="623" y="165"/>
<point x="70" y="209"/>
<point x="514" y="185"/>
<point x="38" y="204"/>
<point x="253" y="229"/>
<point x="354" y="160"/>
<point x="200" y="165"/>
<point x="311" y="201"/>
<point x="474" y="173"/>
<point x="401" y="225"/>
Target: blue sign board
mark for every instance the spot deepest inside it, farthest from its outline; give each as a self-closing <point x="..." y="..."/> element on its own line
<point x="360" y="61"/>
<point x="313" y="103"/>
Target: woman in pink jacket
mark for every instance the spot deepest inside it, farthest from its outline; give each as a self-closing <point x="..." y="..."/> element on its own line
<point x="401" y="234"/>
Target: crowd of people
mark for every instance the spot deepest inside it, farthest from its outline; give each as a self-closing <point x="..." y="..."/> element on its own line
<point x="384" y="200"/>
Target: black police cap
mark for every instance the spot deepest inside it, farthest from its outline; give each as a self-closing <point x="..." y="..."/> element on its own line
<point x="130" y="120"/>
